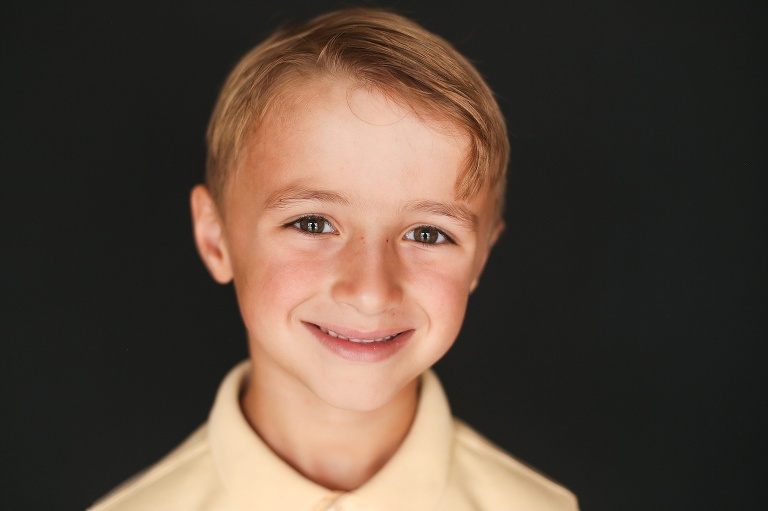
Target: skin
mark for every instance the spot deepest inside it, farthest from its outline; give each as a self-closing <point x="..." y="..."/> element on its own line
<point x="373" y="178"/>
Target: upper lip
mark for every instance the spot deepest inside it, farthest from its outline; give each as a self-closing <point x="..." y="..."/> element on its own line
<point x="349" y="333"/>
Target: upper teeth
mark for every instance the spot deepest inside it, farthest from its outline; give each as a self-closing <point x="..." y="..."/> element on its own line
<point x="362" y="341"/>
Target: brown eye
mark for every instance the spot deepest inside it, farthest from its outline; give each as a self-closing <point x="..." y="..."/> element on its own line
<point x="427" y="235"/>
<point x="313" y="225"/>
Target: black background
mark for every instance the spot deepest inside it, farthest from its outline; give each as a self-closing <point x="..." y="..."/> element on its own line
<point x="617" y="341"/>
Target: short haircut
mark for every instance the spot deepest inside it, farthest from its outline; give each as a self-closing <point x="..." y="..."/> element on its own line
<point x="378" y="49"/>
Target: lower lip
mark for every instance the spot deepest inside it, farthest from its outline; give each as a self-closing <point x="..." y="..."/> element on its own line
<point x="360" y="352"/>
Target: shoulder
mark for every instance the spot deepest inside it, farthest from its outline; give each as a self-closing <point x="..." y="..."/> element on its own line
<point x="489" y="478"/>
<point x="182" y="480"/>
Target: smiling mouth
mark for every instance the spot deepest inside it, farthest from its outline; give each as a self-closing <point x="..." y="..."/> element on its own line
<point x="355" y="340"/>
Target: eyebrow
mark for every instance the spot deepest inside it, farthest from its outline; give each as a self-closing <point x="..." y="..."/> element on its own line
<point x="287" y="197"/>
<point x="292" y="195"/>
<point x="455" y="211"/>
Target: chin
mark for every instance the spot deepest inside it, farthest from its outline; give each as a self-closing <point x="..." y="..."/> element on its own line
<point x="363" y="396"/>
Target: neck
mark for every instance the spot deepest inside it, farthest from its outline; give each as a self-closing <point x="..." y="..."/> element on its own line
<point x="338" y="449"/>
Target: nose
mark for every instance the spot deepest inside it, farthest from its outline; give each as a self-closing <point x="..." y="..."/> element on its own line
<point x="368" y="278"/>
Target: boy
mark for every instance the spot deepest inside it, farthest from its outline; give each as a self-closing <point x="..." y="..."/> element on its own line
<point x="354" y="185"/>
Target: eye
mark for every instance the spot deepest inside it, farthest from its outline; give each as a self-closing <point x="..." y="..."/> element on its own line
<point x="428" y="235"/>
<point x="313" y="224"/>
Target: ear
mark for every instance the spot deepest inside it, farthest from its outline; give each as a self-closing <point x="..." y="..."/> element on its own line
<point x="492" y="239"/>
<point x="209" y="235"/>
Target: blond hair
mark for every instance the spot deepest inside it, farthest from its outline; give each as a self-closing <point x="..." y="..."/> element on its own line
<point x="376" y="48"/>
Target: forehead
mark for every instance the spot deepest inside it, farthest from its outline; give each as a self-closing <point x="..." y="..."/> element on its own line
<point x="340" y="95"/>
<point x="334" y="118"/>
<point x="337" y="135"/>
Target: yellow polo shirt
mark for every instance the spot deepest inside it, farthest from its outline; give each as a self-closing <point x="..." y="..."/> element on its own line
<point x="441" y="465"/>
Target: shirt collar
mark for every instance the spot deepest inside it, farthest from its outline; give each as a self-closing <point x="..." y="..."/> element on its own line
<point x="413" y="479"/>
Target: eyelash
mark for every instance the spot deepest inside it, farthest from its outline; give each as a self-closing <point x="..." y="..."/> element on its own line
<point x="410" y="235"/>
<point x="296" y="224"/>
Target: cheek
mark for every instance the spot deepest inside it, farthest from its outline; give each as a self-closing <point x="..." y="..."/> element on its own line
<point x="274" y="284"/>
<point x="443" y="296"/>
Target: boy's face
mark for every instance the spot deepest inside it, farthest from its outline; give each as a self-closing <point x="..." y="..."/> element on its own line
<point x="351" y="257"/>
